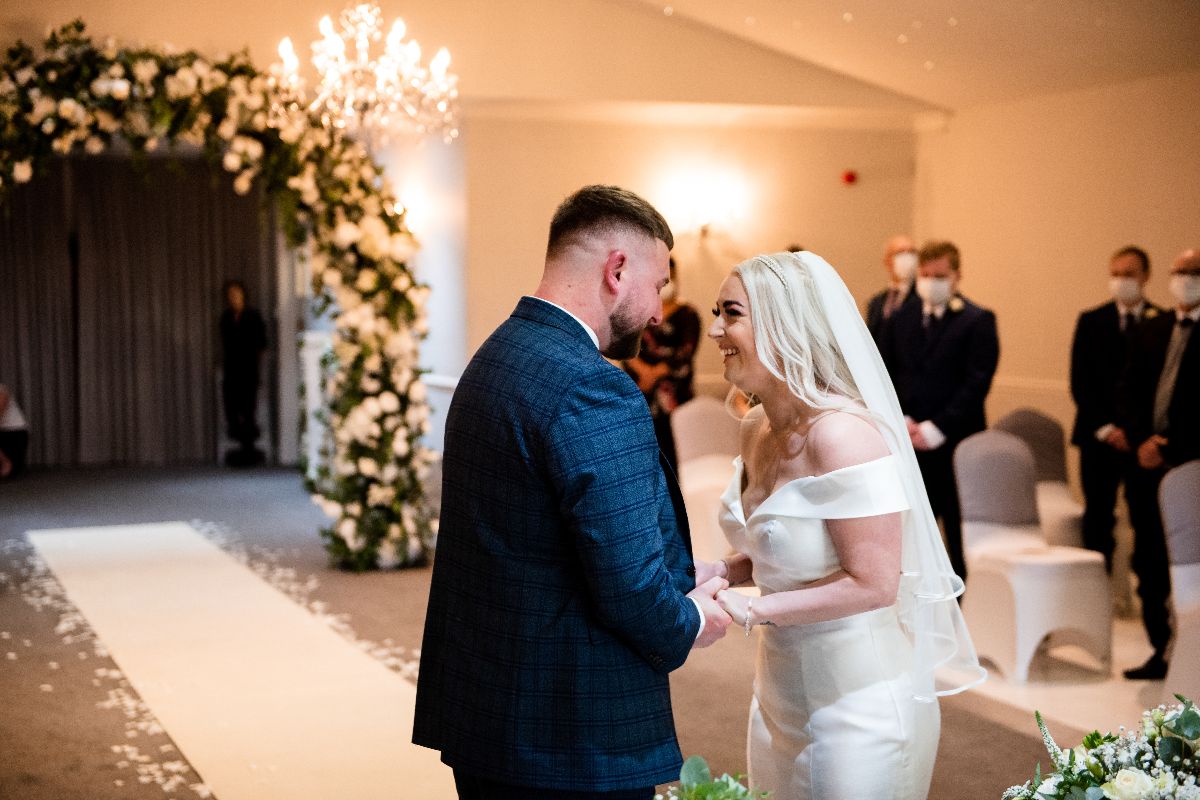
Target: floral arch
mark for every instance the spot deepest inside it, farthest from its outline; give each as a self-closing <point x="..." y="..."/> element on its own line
<point x="336" y="210"/>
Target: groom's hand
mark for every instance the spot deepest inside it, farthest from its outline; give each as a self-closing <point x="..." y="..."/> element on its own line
<point x="715" y="618"/>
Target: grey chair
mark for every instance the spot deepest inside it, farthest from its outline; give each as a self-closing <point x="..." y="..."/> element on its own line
<point x="1020" y="589"/>
<point x="1061" y="513"/>
<point x="1179" y="499"/>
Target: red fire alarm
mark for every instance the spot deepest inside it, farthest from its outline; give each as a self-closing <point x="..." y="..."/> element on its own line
<point x="850" y="177"/>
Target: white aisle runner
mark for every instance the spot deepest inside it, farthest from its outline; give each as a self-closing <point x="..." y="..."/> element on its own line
<point x="262" y="698"/>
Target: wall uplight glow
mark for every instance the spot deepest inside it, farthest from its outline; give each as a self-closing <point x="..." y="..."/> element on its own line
<point x="704" y="198"/>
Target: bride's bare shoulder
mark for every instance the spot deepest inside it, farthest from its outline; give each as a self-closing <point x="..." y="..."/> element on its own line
<point x="842" y="439"/>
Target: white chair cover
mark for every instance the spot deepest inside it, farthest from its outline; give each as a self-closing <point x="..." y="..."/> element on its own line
<point x="1060" y="512"/>
<point x="1021" y="589"/>
<point x="1179" y="498"/>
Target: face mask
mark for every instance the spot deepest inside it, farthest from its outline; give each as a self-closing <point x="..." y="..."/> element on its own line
<point x="904" y="266"/>
<point x="1126" y="291"/>
<point x="1185" y="289"/>
<point x="934" y="291"/>
<point x="668" y="292"/>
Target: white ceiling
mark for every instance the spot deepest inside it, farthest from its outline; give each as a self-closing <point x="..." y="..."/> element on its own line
<point x="959" y="53"/>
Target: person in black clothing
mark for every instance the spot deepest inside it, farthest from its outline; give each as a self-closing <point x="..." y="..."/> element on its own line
<point x="942" y="354"/>
<point x="243" y="340"/>
<point x="900" y="263"/>
<point x="1098" y="352"/>
<point x="663" y="367"/>
<point x="1158" y="397"/>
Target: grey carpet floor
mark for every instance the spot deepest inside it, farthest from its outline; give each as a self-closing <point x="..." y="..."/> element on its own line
<point x="71" y="728"/>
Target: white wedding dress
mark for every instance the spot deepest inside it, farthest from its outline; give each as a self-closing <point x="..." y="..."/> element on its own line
<point x="835" y="714"/>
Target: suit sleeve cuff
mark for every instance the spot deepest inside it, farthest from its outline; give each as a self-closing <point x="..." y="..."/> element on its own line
<point x="699" y="611"/>
<point x="932" y="435"/>
<point x="1103" y="431"/>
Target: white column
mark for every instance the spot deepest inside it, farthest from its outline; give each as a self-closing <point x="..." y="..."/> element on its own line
<point x="313" y="345"/>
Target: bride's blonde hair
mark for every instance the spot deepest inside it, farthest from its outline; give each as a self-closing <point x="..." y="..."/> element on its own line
<point x="792" y="334"/>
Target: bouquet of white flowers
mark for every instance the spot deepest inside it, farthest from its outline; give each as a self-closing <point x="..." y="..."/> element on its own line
<point x="696" y="783"/>
<point x="1156" y="762"/>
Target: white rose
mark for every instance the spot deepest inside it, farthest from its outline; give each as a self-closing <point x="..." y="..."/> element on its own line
<point x="42" y="108"/>
<point x="346" y="234"/>
<point x="347" y="300"/>
<point x="400" y="446"/>
<point x="417" y="392"/>
<point x="119" y="89"/>
<point x="213" y="80"/>
<point x="371" y="407"/>
<point x="241" y="184"/>
<point x="331" y="278"/>
<point x="94" y="145"/>
<point x="25" y="75"/>
<point x="414" y="548"/>
<point x="23" y="171"/>
<point x="374" y="241"/>
<point x="152" y="144"/>
<point x="368" y="467"/>
<point x="1129" y="784"/>
<point x="388" y="556"/>
<point x="145" y="70"/>
<point x="373" y="362"/>
<point x="232" y="161"/>
<point x="370" y="385"/>
<point x="390" y="473"/>
<point x="389" y="402"/>
<point x="368" y="279"/>
<point x="402" y="247"/>
<point x="68" y="108"/>
<point x="228" y="127"/>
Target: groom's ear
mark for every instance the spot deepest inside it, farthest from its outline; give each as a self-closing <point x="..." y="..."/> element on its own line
<point x="614" y="269"/>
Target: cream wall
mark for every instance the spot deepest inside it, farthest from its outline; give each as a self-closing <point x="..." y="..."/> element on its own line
<point x="518" y="170"/>
<point x="1039" y="193"/>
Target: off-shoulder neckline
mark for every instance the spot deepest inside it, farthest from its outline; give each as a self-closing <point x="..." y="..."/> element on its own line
<point x="740" y="471"/>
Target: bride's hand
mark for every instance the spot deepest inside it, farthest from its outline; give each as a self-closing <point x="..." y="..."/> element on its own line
<point x="734" y="604"/>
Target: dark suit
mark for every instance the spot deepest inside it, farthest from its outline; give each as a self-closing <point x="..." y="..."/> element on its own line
<point x="1098" y="352"/>
<point x="942" y="374"/>
<point x="558" y="605"/>
<point x="875" y="307"/>
<point x="1139" y="383"/>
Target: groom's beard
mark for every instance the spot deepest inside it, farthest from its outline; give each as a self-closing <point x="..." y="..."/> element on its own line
<point x="627" y="336"/>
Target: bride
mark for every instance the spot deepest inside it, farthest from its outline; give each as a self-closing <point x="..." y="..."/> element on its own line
<point x="828" y="514"/>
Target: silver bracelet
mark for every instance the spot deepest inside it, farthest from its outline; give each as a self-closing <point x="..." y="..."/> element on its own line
<point x="749" y="615"/>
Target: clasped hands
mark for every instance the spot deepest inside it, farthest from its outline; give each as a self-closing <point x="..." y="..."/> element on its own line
<point x="720" y="606"/>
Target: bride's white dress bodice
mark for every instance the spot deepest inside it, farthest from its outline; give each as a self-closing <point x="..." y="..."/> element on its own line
<point x="829" y="696"/>
<point x="785" y="535"/>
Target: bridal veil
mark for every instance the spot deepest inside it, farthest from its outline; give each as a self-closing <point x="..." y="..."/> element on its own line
<point x="929" y="589"/>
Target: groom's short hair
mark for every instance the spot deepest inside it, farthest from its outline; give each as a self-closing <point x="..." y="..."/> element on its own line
<point x="603" y="208"/>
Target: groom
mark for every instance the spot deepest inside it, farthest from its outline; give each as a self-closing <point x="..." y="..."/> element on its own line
<point x="564" y="590"/>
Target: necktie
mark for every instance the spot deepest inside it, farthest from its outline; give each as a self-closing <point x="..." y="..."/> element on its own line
<point x="1170" y="372"/>
<point x="892" y="301"/>
<point x="1126" y="321"/>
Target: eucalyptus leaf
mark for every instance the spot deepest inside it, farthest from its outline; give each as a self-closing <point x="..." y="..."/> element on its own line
<point x="695" y="771"/>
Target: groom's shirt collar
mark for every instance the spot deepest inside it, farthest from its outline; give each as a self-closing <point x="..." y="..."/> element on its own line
<point x="591" y="333"/>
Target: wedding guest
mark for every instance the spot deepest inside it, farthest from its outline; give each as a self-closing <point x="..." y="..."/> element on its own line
<point x="900" y="264"/>
<point x="942" y="354"/>
<point x="663" y="368"/>
<point x="243" y="341"/>
<point x="14" y="435"/>
<point x="1097" y="352"/>
<point x="1159" y="395"/>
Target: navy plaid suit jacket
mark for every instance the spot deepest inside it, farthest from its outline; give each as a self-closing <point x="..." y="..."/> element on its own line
<point x="557" y="607"/>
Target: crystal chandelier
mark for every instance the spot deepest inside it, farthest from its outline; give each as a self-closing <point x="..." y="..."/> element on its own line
<point x="373" y="99"/>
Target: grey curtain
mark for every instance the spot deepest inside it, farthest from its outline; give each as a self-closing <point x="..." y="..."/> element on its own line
<point x="153" y="245"/>
<point x="37" y="312"/>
